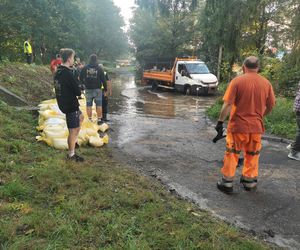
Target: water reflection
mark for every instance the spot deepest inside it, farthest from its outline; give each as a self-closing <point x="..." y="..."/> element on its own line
<point x="132" y="99"/>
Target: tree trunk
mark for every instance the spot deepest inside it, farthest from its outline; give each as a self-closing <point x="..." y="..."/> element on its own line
<point x="219" y="62"/>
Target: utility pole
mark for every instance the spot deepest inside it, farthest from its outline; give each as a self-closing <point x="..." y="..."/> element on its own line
<point x="219" y="62"/>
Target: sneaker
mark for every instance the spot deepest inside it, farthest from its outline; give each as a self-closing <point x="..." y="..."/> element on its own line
<point x="225" y="186"/>
<point x="294" y="155"/>
<point x="289" y="147"/>
<point x="100" y="122"/>
<point x="75" y="158"/>
<point x="249" y="185"/>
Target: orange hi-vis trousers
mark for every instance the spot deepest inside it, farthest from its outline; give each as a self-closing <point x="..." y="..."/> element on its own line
<point x="250" y="144"/>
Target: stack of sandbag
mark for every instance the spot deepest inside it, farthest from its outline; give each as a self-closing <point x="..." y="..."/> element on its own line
<point x="53" y="128"/>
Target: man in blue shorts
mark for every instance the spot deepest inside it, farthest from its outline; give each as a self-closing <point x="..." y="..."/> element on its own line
<point x="67" y="91"/>
<point x="105" y="95"/>
<point x="92" y="76"/>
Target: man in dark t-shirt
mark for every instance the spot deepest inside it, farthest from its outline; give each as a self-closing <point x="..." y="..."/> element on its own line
<point x="105" y="95"/>
<point x="92" y="76"/>
<point x="66" y="91"/>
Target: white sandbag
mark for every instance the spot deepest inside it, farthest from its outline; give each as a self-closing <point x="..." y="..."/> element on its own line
<point x="103" y="127"/>
<point x="55" y="121"/>
<point x="96" y="141"/>
<point x="60" y="143"/>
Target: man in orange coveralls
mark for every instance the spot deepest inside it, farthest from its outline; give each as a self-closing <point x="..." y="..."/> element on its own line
<point x="248" y="99"/>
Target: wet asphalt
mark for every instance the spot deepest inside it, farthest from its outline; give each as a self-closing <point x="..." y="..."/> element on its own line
<point x="167" y="135"/>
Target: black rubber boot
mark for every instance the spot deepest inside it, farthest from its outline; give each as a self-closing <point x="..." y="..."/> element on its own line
<point x="225" y="186"/>
<point x="249" y="185"/>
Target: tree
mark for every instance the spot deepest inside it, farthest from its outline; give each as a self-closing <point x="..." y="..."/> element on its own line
<point x="58" y="24"/>
<point x="163" y="28"/>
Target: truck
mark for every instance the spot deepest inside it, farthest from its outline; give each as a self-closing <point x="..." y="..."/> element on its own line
<point x="188" y="75"/>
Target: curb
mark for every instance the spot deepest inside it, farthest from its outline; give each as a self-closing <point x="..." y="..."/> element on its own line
<point x="276" y="139"/>
<point x="11" y="98"/>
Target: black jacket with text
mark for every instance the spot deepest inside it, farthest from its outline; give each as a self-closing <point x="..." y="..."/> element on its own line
<point x="92" y="76"/>
<point x="66" y="90"/>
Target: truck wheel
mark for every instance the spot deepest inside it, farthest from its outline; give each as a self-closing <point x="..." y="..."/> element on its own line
<point x="154" y="85"/>
<point x="187" y="90"/>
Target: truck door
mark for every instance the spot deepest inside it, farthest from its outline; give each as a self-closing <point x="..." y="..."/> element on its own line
<point x="180" y="76"/>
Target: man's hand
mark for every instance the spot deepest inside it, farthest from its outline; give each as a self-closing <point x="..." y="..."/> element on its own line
<point x="219" y="127"/>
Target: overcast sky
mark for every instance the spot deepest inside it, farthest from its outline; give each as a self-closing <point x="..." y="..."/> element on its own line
<point x="126" y="11"/>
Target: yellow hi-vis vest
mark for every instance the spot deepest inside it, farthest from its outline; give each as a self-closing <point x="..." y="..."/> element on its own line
<point x="28" y="48"/>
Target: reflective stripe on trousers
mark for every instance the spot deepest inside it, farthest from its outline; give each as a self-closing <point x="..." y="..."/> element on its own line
<point x="250" y="144"/>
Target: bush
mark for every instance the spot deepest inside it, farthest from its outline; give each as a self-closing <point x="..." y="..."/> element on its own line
<point x="282" y="120"/>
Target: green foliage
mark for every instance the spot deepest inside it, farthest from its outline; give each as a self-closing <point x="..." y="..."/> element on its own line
<point x="282" y="120"/>
<point x="102" y="29"/>
<point x="86" y="26"/>
<point x="163" y="29"/>
<point x="214" y="110"/>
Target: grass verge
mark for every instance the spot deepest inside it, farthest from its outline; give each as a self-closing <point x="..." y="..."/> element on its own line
<point x="48" y="203"/>
<point x="31" y="82"/>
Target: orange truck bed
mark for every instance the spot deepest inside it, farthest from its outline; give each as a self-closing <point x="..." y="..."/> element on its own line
<point x="166" y="76"/>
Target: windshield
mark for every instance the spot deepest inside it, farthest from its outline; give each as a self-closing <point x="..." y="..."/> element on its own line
<point x="197" y="68"/>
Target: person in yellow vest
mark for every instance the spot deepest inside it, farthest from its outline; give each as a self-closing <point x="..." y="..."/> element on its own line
<point x="28" y="51"/>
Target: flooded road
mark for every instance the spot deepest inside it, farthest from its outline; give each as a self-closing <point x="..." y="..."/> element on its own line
<point x="167" y="135"/>
<point x="133" y="99"/>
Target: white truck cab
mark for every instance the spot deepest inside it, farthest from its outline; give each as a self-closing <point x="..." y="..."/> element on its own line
<point x="193" y="77"/>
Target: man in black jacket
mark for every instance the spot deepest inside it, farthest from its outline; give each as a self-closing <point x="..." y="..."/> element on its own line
<point x="92" y="76"/>
<point x="67" y="90"/>
<point x="105" y="95"/>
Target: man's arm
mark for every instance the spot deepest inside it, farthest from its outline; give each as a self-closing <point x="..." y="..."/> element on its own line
<point x="74" y="85"/>
<point x="109" y="87"/>
<point x="225" y="111"/>
<point x="270" y="102"/>
<point x="82" y="75"/>
<point x="103" y="79"/>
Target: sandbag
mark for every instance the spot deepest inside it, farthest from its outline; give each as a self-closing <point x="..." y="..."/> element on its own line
<point x="53" y="128"/>
<point x="103" y="127"/>
<point x="96" y="141"/>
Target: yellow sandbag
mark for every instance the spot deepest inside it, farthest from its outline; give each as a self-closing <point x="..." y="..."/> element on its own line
<point x="83" y="135"/>
<point x="53" y="128"/>
<point x="44" y="139"/>
<point x="60" y="143"/>
<point x="55" y="121"/>
<point x="82" y="142"/>
<point x="105" y="139"/>
<point x="56" y="133"/>
<point x="96" y="141"/>
<point x="90" y="128"/>
<point x="51" y="114"/>
<point x="103" y="127"/>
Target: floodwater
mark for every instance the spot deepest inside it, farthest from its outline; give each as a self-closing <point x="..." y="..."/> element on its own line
<point x="133" y="99"/>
